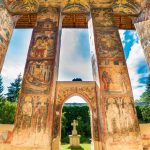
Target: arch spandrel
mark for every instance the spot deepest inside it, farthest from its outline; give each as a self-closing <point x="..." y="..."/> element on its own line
<point x="84" y="89"/>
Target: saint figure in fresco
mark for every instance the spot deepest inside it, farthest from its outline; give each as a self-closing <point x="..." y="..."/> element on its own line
<point x="123" y="81"/>
<point x="40" y="48"/>
<point x="106" y="78"/>
<point x="113" y="117"/>
<point x="41" y="114"/>
<point x="27" y="112"/>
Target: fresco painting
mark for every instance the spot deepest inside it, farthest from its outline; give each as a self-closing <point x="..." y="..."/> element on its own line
<point x="113" y="118"/>
<point x="6" y="28"/>
<point x="116" y="92"/>
<point x="64" y="90"/>
<point x="32" y="123"/>
<point x="144" y="34"/>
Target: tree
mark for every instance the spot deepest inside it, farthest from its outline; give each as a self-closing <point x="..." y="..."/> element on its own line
<point x="13" y="89"/>
<point x="146" y="113"/>
<point x="145" y="97"/>
<point x="148" y="84"/>
<point x="7" y="112"/>
<point x="1" y="88"/>
<point x="77" y="79"/>
<point x="139" y="113"/>
<point x="82" y="115"/>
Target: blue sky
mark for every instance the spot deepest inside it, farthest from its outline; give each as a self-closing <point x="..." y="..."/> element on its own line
<point x="75" y="57"/>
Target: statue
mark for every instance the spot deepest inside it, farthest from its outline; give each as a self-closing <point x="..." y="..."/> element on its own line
<point x="74" y="124"/>
<point x="74" y="138"/>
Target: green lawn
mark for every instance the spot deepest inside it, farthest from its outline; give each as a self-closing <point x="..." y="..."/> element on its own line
<point x="83" y="147"/>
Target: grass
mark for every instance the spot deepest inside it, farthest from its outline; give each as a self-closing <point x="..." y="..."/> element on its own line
<point x="83" y="147"/>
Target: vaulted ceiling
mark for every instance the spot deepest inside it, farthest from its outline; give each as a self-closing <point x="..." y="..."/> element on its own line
<point x="74" y="10"/>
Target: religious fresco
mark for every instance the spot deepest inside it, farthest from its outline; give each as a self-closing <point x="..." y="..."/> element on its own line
<point x="37" y="77"/>
<point x="102" y="17"/>
<point x="109" y="44"/>
<point x="144" y="15"/>
<point x="142" y="29"/>
<point x="36" y="93"/>
<point x="25" y="112"/>
<point x="6" y="29"/>
<point x="127" y="6"/>
<point x="113" y="117"/>
<point x="119" y="120"/>
<point x="114" y="77"/>
<point x="67" y="89"/>
<point x="33" y="6"/>
<point x="41" y="114"/>
<point x="24" y="6"/>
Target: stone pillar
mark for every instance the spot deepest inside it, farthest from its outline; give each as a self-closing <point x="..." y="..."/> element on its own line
<point x="7" y="24"/>
<point x="142" y="25"/>
<point x="119" y="129"/>
<point x="33" y="125"/>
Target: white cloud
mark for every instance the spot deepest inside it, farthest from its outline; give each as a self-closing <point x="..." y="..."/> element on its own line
<point x="16" y="56"/>
<point x="122" y="36"/>
<point x="136" y="57"/>
<point x="71" y="64"/>
<point x="75" y="99"/>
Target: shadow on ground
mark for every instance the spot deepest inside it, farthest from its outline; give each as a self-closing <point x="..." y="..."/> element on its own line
<point x="77" y="148"/>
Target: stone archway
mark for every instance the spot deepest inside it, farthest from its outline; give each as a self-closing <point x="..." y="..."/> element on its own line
<point x="87" y="91"/>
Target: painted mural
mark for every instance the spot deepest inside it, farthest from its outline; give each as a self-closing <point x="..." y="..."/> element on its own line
<point x="102" y="17"/>
<point x="6" y="29"/>
<point x="144" y="15"/>
<point x="142" y="29"/>
<point x="109" y="44"/>
<point x="127" y="6"/>
<point x="67" y="89"/>
<point x="113" y="120"/>
<point x="37" y="77"/>
<point x="33" y="107"/>
<point x="22" y="6"/>
<point x="114" y="77"/>
<point x="120" y="119"/>
<point x="33" y="6"/>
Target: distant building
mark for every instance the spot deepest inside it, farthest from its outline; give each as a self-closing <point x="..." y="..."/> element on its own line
<point x="142" y="104"/>
<point x="76" y="104"/>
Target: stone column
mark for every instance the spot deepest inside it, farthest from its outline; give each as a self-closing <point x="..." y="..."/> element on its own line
<point x="33" y="126"/>
<point x="7" y="24"/>
<point x="119" y="129"/>
<point x="142" y="25"/>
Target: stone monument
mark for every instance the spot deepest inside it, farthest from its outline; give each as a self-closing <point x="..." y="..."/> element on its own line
<point x="74" y="138"/>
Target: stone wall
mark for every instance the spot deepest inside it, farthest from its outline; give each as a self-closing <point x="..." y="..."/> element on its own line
<point x="145" y="132"/>
<point x="5" y="130"/>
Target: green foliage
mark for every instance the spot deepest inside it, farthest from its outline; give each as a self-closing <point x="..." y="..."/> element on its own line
<point x="82" y="115"/>
<point x="83" y="147"/>
<point x="77" y="79"/>
<point x="143" y="114"/>
<point x="13" y="89"/>
<point x="1" y="88"/>
<point x="146" y="113"/>
<point x="148" y="85"/>
<point x="145" y="97"/>
<point x="139" y="113"/>
<point x="7" y="112"/>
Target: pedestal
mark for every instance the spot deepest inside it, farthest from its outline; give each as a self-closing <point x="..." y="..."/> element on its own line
<point x="74" y="140"/>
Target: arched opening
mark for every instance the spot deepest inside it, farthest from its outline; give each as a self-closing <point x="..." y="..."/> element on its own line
<point x="76" y="108"/>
